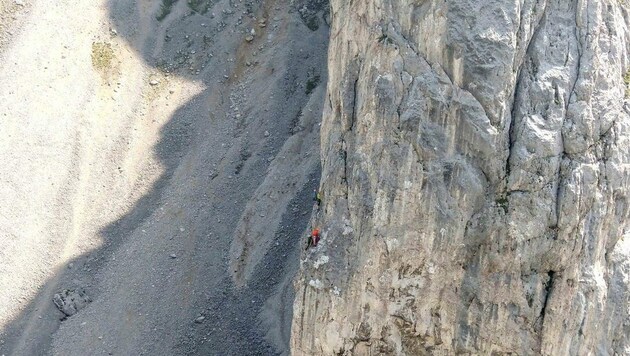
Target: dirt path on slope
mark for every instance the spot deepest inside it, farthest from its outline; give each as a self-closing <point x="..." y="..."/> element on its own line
<point x="149" y="146"/>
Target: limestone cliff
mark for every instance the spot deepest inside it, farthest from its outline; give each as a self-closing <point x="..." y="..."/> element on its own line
<point x="476" y="174"/>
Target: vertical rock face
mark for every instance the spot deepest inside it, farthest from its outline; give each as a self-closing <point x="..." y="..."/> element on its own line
<point x="476" y="173"/>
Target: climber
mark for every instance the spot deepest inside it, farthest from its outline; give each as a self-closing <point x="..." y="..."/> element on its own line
<point x="318" y="198"/>
<point x="315" y="235"/>
<point x="313" y="239"/>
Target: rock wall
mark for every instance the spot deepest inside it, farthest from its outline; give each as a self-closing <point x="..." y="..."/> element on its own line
<point x="476" y="174"/>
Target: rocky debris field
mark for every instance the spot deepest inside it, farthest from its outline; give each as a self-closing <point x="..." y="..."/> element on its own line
<point x="159" y="161"/>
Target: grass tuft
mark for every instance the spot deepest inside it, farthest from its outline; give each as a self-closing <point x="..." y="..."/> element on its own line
<point x="102" y="56"/>
<point x="311" y="84"/>
<point x="165" y="9"/>
<point x="200" y="6"/>
<point x="503" y="203"/>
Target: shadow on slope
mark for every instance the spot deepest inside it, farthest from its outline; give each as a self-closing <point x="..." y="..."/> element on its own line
<point x="214" y="156"/>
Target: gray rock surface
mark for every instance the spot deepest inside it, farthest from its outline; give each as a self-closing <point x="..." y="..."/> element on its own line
<point x="476" y="173"/>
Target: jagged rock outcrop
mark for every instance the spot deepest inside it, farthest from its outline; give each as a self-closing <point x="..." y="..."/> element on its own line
<point x="476" y="173"/>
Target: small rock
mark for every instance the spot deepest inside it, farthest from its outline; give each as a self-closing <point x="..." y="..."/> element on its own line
<point x="406" y="78"/>
<point x="317" y="284"/>
<point x="154" y="82"/>
<point x="172" y="255"/>
<point x="70" y="301"/>
<point x="322" y="260"/>
<point x="267" y="134"/>
<point x="200" y="319"/>
<point x="249" y="38"/>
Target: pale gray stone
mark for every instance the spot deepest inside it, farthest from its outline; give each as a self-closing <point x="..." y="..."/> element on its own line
<point x="475" y="175"/>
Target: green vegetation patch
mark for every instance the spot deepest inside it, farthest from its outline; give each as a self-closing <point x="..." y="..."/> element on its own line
<point x="312" y="23"/>
<point x="311" y="84"/>
<point x="165" y="9"/>
<point x="200" y="6"/>
<point x="102" y="56"/>
<point x="504" y="203"/>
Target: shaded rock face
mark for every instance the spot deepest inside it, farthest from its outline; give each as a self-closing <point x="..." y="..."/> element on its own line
<point x="476" y="169"/>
